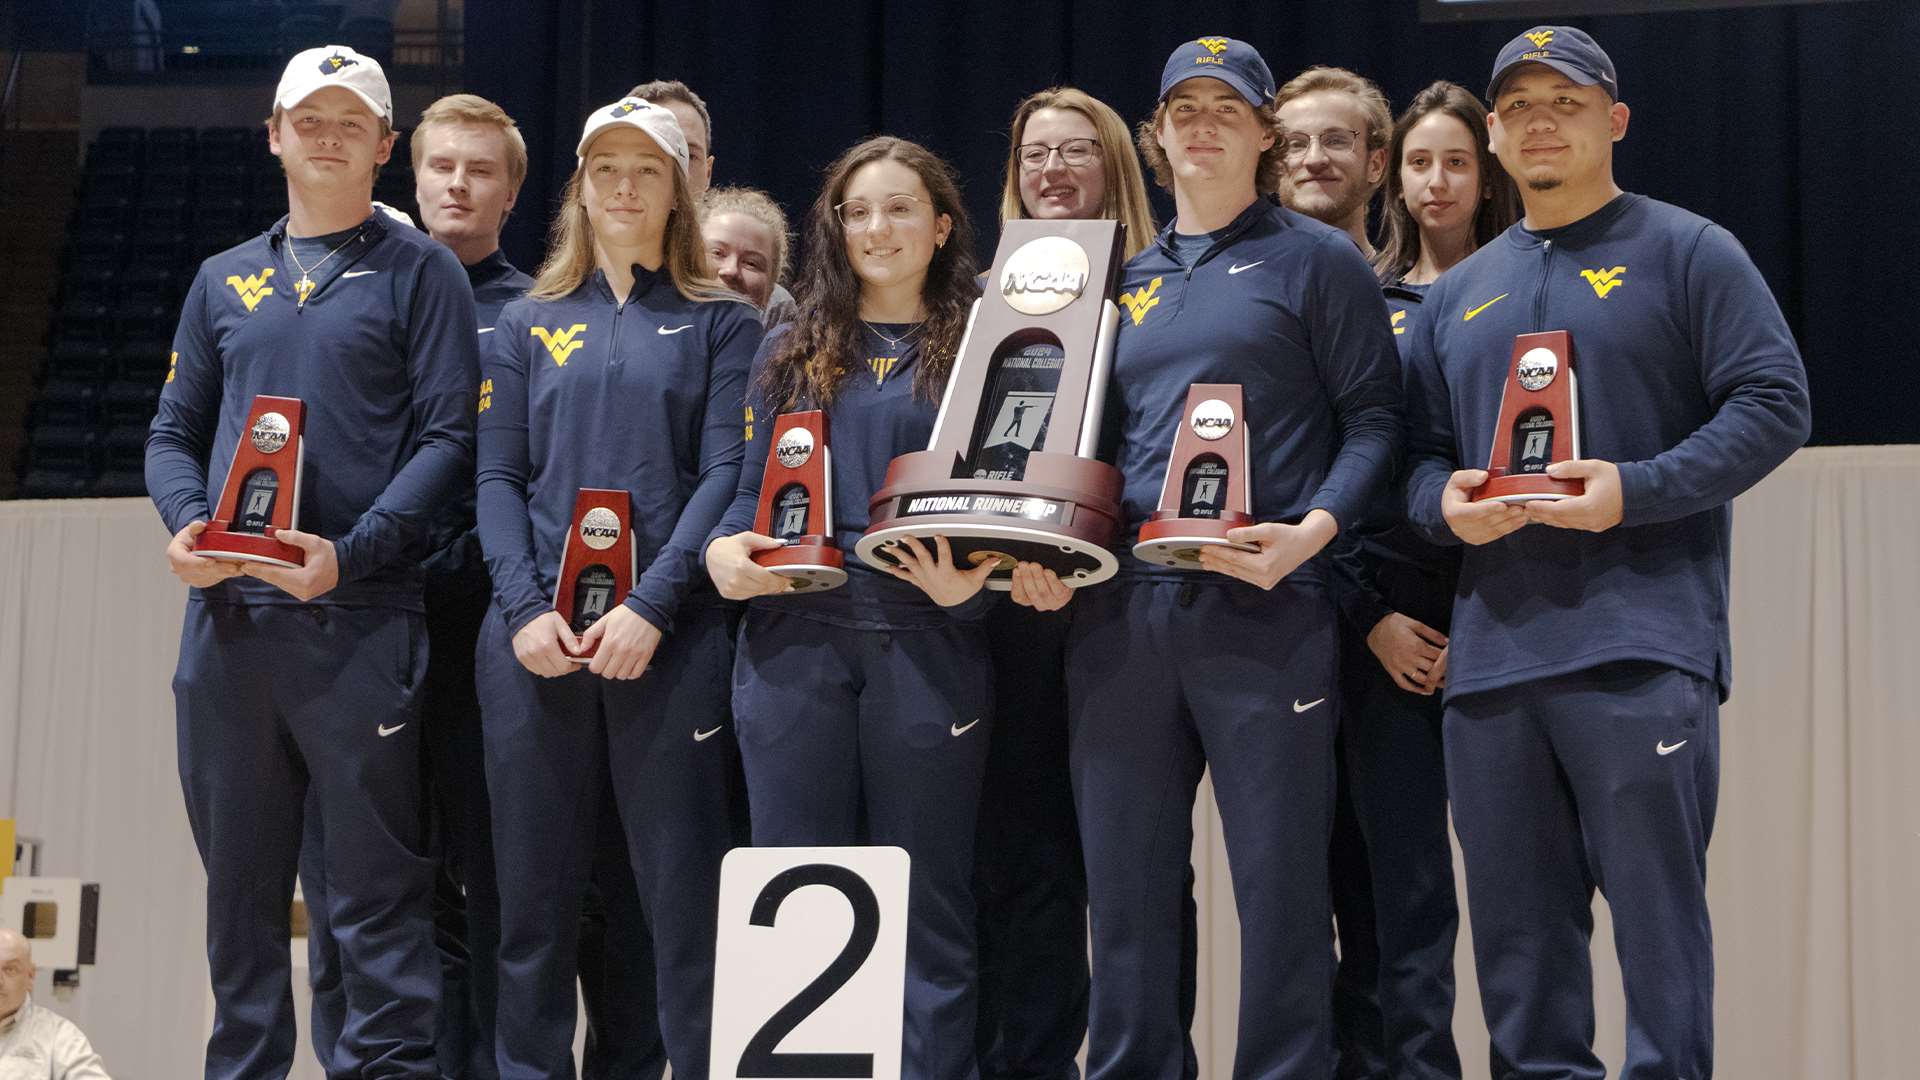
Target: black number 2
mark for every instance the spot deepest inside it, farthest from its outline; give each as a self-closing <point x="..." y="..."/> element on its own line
<point x="760" y="1059"/>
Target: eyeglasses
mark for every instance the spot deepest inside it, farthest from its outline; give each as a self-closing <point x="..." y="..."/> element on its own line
<point x="1074" y="154"/>
<point x="1333" y="140"/>
<point x="899" y="209"/>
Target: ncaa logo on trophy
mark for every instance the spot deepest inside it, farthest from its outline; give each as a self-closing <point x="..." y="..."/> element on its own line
<point x="600" y="528"/>
<point x="1537" y="368"/>
<point x="794" y="447"/>
<point x="1044" y="276"/>
<point x="270" y="433"/>
<point x="1212" y="419"/>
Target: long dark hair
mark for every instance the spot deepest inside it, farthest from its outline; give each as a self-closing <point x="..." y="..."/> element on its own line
<point x="827" y="339"/>
<point x="1497" y="202"/>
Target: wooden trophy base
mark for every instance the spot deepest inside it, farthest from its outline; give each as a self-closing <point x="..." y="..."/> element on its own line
<point x="1062" y="516"/>
<point x="216" y="542"/>
<point x="815" y="563"/>
<point x="1166" y="539"/>
<point x="1527" y="487"/>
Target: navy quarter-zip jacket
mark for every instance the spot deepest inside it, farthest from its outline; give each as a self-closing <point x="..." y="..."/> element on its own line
<point x="383" y="354"/>
<point x="1383" y="534"/>
<point x="1689" y="380"/>
<point x="1286" y="307"/>
<point x="642" y="395"/>
<point x="456" y="542"/>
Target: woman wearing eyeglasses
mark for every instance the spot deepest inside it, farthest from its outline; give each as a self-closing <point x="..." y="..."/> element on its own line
<point x="863" y="713"/>
<point x="1069" y="157"/>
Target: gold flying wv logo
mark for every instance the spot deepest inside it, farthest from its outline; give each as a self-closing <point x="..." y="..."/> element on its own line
<point x="561" y="343"/>
<point x="1398" y="318"/>
<point x="252" y="288"/>
<point x="1214" y="45"/>
<point x="881" y="366"/>
<point x="1604" y="281"/>
<point x="1539" y="37"/>
<point x="1141" y="300"/>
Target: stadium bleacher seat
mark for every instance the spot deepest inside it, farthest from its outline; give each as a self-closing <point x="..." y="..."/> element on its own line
<point x="63" y="448"/>
<point x="66" y="402"/>
<point x="47" y="483"/>
<point x="130" y="400"/>
<point x="77" y="359"/>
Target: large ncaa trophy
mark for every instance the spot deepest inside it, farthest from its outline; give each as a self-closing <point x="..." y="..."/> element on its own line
<point x="1009" y="475"/>
<point x="262" y="493"/>
<point x="1539" y="423"/>
<point x="598" y="568"/>
<point x="1208" y="489"/>
<point x="796" y="505"/>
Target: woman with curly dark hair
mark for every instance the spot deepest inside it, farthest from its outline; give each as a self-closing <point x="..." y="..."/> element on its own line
<point x="863" y="713"/>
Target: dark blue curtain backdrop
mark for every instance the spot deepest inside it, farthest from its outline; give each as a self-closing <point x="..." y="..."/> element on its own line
<point x="1793" y="127"/>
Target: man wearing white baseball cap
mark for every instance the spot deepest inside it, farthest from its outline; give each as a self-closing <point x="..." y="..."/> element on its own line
<point x="297" y="689"/>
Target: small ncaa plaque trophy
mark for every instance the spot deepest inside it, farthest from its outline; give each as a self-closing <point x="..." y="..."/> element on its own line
<point x="1208" y="486"/>
<point x="1009" y="475"/>
<point x="1539" y="423"/>
<point x="597" y="570"/>
<point x="796" y="505"/>
<point x="262" y="493"/>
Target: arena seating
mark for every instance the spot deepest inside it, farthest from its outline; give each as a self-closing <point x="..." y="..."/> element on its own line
<point x="153" y="203"/>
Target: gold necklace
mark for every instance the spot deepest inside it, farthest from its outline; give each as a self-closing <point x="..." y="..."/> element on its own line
<point x="305" y="285"/>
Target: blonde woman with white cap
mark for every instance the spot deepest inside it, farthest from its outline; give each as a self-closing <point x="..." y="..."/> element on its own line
<point x="623" y="368"/>
<point x="296" y="693"/>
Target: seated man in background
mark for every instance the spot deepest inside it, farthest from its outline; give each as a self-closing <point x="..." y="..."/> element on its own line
<point x="34" y="1042"/>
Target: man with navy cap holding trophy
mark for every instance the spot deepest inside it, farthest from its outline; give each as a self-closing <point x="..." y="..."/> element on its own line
<point x="1228" y="664"/>
<point x="1590" y="641"/>
<point x="297" y="692"/>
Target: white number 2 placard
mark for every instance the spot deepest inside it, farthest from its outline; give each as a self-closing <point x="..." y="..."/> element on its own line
<point x="810" y="967"/>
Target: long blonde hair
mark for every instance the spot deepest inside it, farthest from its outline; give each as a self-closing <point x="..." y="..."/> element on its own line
<point x="1126" y="196"/>
<point x="570" y="247"/>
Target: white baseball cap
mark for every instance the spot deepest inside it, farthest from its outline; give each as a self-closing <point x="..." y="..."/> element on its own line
<point x="335" y="65"/>
<point x="634" y="112"/>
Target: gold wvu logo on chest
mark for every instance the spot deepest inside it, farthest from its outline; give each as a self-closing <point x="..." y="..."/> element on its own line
<point x="881" y="366"/>
<point x="1604" y="281"/>
<point x="252" y="288"/>
<point x="1141" y="300"/>
<point x="561" y="343"/>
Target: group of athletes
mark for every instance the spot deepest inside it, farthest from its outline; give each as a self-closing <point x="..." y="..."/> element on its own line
<point x="478" y="822"/>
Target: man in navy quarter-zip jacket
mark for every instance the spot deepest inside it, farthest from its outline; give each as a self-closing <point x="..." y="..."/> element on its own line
<point x="1590" y="641"/>
<point x="1233" y="666"/>
<point x="297" y="690"/>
